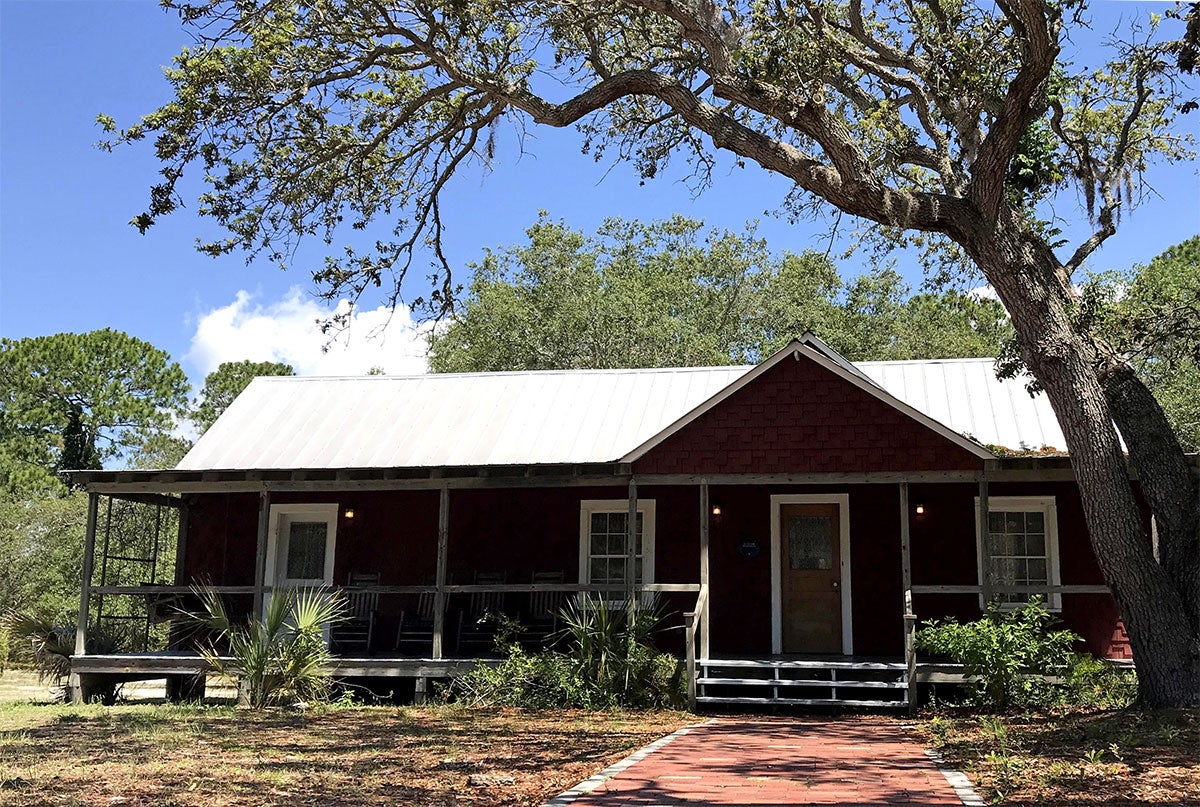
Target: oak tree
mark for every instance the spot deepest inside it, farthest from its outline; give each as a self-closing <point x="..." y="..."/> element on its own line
<point x="952" y="120"/>
<point x="669" y="294"/>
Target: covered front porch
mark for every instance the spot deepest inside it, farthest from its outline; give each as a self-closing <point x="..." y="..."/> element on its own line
<point x="423" y="556"/>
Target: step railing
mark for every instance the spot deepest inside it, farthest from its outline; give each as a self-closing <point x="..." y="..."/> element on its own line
<point x="797" y="682"/>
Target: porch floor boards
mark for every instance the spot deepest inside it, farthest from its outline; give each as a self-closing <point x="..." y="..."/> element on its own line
<point x="803" y="681"/>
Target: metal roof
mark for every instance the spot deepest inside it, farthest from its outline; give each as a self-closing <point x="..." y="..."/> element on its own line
<point x="554" y="417"/>
<point x="527" y="418"/>
<point x="965" y="395"/>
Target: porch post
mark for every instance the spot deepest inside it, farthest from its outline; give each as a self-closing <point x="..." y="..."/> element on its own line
<point x="985" y="540"/>
<point x="910" y="618"/>
<point x="439" y="597"/>
<point x="85" y="594"/>
<point x="260" y="557"/>
<point x="631" y="546"/>
<point x="705" y="520"/>
<point x="181" y="542"/>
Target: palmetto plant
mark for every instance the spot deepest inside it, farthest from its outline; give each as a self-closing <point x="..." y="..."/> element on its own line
<point x="610" y="642"/>
<point x="42" y="644"/>
<point x="282" y="657"/>
<point x="47" y="647"/>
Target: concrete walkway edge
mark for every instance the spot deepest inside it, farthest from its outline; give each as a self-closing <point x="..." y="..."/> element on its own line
<point x="592" y="782"/>
<point x="958" y="780"/>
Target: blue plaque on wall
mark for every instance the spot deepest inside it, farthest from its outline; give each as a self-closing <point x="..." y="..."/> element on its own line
<point x="749" y="548"/>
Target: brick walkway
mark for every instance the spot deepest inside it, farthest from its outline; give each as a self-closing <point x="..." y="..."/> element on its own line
<point x="767" y="761"/>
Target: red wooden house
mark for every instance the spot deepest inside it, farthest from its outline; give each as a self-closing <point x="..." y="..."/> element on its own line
<point x="794" y="518"/>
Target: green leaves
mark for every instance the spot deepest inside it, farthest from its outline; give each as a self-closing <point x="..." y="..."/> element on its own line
<point x="282" y="656"/>
<point x="667" y="293"/>
<point x="1004" y="652"/>
<point x="225" y="383"/>
<point x="73" y="400"/>
<point x="1151" y="314"/>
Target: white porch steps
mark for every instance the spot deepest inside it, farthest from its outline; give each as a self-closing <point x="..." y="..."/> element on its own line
<point x="807" y="682"/>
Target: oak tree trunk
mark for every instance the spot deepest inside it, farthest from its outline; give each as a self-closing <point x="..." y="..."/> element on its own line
<point x="1165" y="478"/>
<point x="1160" y="622"/>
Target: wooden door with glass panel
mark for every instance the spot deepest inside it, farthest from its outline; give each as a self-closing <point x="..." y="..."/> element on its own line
<point x="304" y="548"/>
<point x="811" y="578"/>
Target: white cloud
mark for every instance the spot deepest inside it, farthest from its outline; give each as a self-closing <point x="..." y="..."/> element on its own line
<point x="287" y="330"/>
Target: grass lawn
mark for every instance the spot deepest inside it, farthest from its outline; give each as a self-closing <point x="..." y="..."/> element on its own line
<point x="175" y="755"/>
<point x="1118" y="757"/>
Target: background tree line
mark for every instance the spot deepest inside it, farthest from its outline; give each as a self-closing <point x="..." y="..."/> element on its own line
<point x="665" y="293"/>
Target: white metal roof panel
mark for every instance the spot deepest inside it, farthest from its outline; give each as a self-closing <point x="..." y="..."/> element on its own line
<point x="574" y="416"/>
<point x="965" y="395"/>
<point x="450" y="420"/>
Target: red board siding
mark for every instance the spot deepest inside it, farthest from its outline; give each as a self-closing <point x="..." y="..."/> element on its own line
<point x="741" y="586"/>
<point x="944" y="552"/>
<point x="525" y="530"/>
<point x="799" y="417"/>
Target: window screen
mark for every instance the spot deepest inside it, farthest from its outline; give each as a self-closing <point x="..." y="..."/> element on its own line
<point x="1019" y="551"/>
<point x="306" y="550"/>
<point x="607" y="548"/>
<point x="810" y="542"/>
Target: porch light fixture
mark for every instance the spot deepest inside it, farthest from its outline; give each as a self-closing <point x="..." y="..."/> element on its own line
<point x="349" y="512"/>
<point x="716" y="511"/>
<point x="920" y="509"/>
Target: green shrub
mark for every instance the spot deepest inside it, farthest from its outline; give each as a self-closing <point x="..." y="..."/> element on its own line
<point x="1007" y="653"/>
<point x="1098" y="684"/>
<point x="282" y="658"/>
<point x="605" y="661"/>
<point x="47" y="648"/>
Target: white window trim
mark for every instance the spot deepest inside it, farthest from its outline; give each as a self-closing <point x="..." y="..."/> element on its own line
<point x="1024" y="504"/>
<point x="588" y="506"/>
<point x="842" y="500"/>
<point x="314" y="512"/>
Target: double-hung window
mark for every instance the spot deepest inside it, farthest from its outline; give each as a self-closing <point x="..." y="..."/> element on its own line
<point x="1024" y="547"/>
<point x="603" y="542"/>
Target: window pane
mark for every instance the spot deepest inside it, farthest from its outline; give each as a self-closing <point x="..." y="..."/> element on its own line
<point x="1035" y="545"/>
<point x="1014" y="522"/>
<point x="599" y="544"/>
<point x="1021" y="573"/>
<point x="1004" y="570"/>
<point x="810" y="542"/>
<point x="1035" y="521"/>
<point x="616" y="570"/>
<point x="1037" y="571"/>
<point x="995" y="522"/>
<point x="616" y="544"/>
<point x="616" y="522"/>
<point x="599" y="522"/>
<point x="306" y="550"/>
<point x="599" y="570"/>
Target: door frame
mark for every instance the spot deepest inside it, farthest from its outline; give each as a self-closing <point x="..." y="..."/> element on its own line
<point x="316" y="512"/>
<point x="842" y="500"/>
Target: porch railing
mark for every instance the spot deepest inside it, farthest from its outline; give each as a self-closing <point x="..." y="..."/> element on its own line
<point x="692" y="622"/>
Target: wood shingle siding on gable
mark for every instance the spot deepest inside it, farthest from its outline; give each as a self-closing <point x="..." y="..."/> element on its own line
<point x="799" y="417"/>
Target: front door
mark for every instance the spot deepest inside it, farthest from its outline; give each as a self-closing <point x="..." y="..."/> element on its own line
<point x="301" y="545"/>
<point x="811" y="577"/>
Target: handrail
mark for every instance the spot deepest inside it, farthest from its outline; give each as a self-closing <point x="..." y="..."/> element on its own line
<point x="690" y="621"/>
<point x="1032" y="589"/>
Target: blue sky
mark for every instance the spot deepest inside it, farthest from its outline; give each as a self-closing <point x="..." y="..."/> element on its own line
<point x="69" y="261"/>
